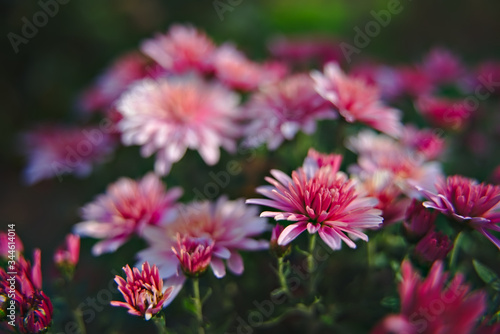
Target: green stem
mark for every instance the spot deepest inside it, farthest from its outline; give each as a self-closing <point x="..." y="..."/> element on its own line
<point x="454" y="252"/>
<point x="198" y="306"/>
<point x="77" y="314"/>
<point x="281" y="275"/>
<point x="159" y="322"/>
<point x="310" y="261"/>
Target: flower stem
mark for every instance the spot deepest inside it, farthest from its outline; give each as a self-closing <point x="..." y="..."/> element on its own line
<point x="454" y="252"/>
<point x="281" y="275"/>
<point x="198" y="306"/>
<point x="159" y="322"/>
<point x="310" y="261"/>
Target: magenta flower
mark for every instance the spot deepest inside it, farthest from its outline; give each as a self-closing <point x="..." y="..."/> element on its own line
<point x="434" y="246"/>
<point x="474" y="205"/>
<point x="415" y="81"/>
<point x="423" y="141"/>
<point x="17" y="247"/>
<point x="442" y="66"/>
<point x="168" y="116"/>
<point x="182" y="49"/>
<point x="428" y="307"/>
<point x="143" y="291"/>
<point x="35" y="314"/>
<point x="321" y="200"/>
<point x="444" y="113"/>
<point x="278" y="112"/>
<point x="53" y="151"/>
<point x="229" y="224"/>
<point x="67" y="255"/>
<point x="386" y="78"/>
<point x="125" y="209"/>
<point x="114" y="81"/>
<point x="356" y="100"/>
<point x="418" y="221"/>
<point x="194" y="254"/>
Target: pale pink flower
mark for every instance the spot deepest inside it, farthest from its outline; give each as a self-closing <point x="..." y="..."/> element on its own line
<point x="391" y="199"/>
<point x="169" y="116"/>
<point x="278" y="112"/>
<point x="55" y="150"/>
<point x="321" y="200"/>
<point x="125" y="209"/>
<point x="194" y="254"/>
<point x="356" y="100"/>
<point x="68" y="253"/>
<point x="229" y="224"/>
<point x="144" y="293"/>
<point x="443" y="66"/>
<point x="443" y="112"/>
<point x="114" y="81"/>
<point x="424" y="141"/>
<point x="235" y="70"/>
<point x="386" y="78"/>
<point x="377" y="153"/>
<point x="182" y="49"/>
<point x="469" y="203"/>
<point x="428" y="307"/>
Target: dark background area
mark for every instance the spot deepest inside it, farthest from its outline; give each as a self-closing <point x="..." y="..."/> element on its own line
<point x="41" y="81"/>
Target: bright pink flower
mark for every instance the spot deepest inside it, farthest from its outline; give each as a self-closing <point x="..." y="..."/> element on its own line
<point x="114" y="81"/>
<point x="305" y="49"/>
<point x="234" y="70"/>
<point x="125" y="209"/>
<point x="320" y="200"/>
<point x="277" y="112"/>
<point x="143" y="291"/>
<point x="68" y="253"/>
<point x="182" y="49"/>
<point x="424" y="141"/>
<point x="434" y="246"/>
<point x="10" y="243"/>
<point x="194" y="254"/>
<point x="469" y="203"/>
<point x="415" y="82"/>
<point x="442" y="66"/>
<point x="486" y="79"/>
<point x="229" y="224"/>
<point x="418" y="221"/>
<point x="377" y="153"/>
<point x="391" y="200"/>
<point x="445" y="113"/>
<point x="356" y="100"/>
<point x="53" y="151"/>
<point x="172" y="115"/>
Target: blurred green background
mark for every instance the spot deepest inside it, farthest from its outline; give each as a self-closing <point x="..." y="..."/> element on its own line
<point x="42" y="80"/>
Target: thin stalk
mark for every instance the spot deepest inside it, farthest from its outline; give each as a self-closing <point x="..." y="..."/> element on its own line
<point x="198" y="306"/>
<point x="454" y="252"/>
<point x="159" y="322"/>
<point x="310" y="261"/>
<point x="281" y="275"/>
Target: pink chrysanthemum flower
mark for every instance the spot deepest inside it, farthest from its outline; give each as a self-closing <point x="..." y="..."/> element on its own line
<point x="234" y="70"/>
<point x="469" y="203"/>
<point x="424" y="141"/>
<point x="170" y="116"/>
<point x="415" y="81"/>
<point x="194" y="254"/>
<point x="377" y="153"/>
<point x="229" y="224"/>
<point x="182" y="49"/>
<point x="114" y="81"/>
<point x="67" y="255"/>
<point x="442" y="112"/>
<point x="126" y="209"/>
<point x="356" y="100"/>
<point x="418" y="221"/>
<point x="321" y="200"/>
<point x="386" y="78"/>
<point x="428" y="307"/>
<point x="54" y="151"/>
<point x="433" y="247"/>
<point x="278" y="112"/>
<point x="442" y="66"/>
<point x="143" y="291"/>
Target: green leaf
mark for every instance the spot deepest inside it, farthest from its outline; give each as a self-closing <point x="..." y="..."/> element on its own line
<point x="189" y="305"/>
<point x="487" y="275"/>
